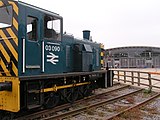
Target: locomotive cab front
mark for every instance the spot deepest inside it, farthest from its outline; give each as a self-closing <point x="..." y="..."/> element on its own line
<point x="9" y="83"/>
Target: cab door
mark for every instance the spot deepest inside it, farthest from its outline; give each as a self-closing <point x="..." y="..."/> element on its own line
<point x="33" y="42"/>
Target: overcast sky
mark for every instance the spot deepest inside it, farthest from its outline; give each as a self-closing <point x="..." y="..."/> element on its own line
<point x="115" y="23"/>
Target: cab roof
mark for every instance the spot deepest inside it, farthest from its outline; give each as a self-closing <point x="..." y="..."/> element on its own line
<point x="40" y="9"/>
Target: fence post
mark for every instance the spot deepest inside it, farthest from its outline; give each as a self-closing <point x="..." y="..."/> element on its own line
<point x="150" y="82"/>
<point x="124" y="76"/>
<point x="138" y="78"/>
<point x="132" y="76"/>
<point x="118" y="75"/>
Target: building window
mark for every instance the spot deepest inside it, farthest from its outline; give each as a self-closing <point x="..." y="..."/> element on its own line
<point x="32" y="28"/>
<point x="6" y="16"/>
<point x="52" y="28"/>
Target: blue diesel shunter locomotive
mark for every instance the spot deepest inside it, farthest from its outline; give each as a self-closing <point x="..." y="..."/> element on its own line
<point x="39" y="65"/>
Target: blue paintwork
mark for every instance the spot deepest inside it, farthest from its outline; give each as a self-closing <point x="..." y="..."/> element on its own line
<point x="58" y="48"/>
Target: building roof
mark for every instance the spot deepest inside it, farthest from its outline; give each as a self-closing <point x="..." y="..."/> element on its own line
<point x="133" y="47"/>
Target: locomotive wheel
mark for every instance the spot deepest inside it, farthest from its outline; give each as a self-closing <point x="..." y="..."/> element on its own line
<point x="51" y="99"/>
<point x="86" y="90"/>
<point x="71" y="94"/>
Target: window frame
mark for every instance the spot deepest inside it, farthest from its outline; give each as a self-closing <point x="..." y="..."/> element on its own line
<point x="36" y="37"/>
<point x="11" y="17"/>
<point x="59" y="33"/>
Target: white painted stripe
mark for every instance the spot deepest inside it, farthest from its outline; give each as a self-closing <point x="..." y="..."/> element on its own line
<point x="42" y="56"/>
<point x="23" y="55"/>
<point x="53" y="43"/>
<point x="33" y="66"/>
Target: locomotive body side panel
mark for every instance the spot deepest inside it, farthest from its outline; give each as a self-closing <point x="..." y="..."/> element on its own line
<point x="41" y="50"/>
<point x="81" y="55"/>
<point x="53" y="57"/>
<point x="30" y="41"/>
<point x="68" y="42"/>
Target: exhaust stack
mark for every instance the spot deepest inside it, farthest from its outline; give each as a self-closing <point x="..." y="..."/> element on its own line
<point x="86" y="34"/>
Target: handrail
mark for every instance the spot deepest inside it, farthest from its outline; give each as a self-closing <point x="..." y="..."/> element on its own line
<point x="7" y="38"/>
<point x="149" y="79"/>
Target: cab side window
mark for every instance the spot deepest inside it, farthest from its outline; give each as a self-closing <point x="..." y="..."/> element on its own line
<point x="6" y="14"/>
<point x="51" y="27"/>
<point x="32" y="28"/>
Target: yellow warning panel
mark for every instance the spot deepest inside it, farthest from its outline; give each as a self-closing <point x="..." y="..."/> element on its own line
<point x="10" y="100"/>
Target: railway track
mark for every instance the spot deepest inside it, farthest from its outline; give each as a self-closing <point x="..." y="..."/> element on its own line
<point x="86" y="105"/>
<point x="48" y="112"/>
<point x="134" y="106"/>
<point x="89" y="107"/>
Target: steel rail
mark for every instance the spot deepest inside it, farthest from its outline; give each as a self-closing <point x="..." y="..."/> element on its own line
<point x="83" y="109"/>
<point x="134" y="106"/>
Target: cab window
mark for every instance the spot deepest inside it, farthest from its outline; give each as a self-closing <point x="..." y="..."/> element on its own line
<point x="51" y="28"/>
<point x="6" y="14"/>
<point x="32" y="28"/>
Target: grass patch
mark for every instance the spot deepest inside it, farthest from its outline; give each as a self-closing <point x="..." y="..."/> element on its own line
<point x="147" y="91"/>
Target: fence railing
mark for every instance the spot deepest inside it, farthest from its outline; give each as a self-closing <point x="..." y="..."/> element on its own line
<point x="148" y="79"/>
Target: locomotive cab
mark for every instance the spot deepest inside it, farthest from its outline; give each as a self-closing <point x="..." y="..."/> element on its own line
<point x="30" y="44"/>
<point x="40" y="33"/>
<point x="30" y="39"/>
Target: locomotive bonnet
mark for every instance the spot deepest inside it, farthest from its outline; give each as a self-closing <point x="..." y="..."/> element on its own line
<point x="38" y="61"/>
